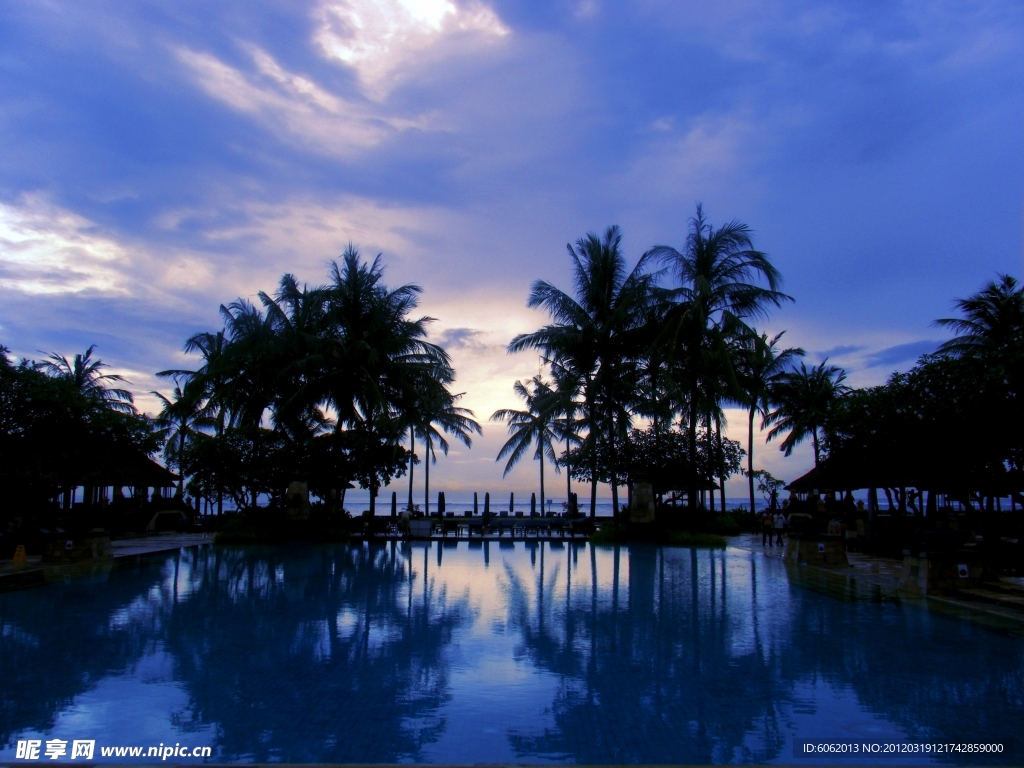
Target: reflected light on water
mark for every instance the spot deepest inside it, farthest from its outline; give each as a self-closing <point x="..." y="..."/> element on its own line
<point x="490" y="652"/>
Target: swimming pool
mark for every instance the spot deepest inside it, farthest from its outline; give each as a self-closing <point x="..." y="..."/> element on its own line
<point x="473" y="652"/>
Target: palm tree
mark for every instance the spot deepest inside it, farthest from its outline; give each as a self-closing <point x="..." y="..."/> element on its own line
<point x="803" y="401"/>
<point x="209" y="380"/>
<point x="376" y="359"/>
<point x="436" y="407"/>
<point x="86" y="376"/>
<point x="527" y="426"/>
<point x="564" y="405"/>
<point x="990" y="336"/>
<point x="719" y="274"/>
<point x="993" y="320"/>
<point x="595" y="334"/>
<point x="180" y="419"/>
<point x="760" y="363"/>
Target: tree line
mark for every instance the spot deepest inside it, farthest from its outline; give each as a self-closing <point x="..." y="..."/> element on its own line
<point x="337" y="383"/>
<point x="672" y="342"/>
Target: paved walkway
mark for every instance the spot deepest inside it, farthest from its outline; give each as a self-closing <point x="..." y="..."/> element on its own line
<point x="36" y="572"/>
<point x="873" y="577"/>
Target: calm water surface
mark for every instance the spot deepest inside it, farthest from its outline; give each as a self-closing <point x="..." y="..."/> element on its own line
<point x="485" y="653"/>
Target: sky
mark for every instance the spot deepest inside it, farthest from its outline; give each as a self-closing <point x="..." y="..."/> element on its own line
<point x="158" y="159"/>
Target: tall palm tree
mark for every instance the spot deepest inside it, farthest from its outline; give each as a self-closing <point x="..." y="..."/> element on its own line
<point x="376" y="359"/>
<point x="723" y="282"/>
<point x="209" y="380"/>
<point x="436" y="407"/>
<point x="595" y="334"/>
<point x="86" y="375"/>
<point x="803" y="401"/>
<point x="181" y="418"/>
<point x="760" y="363"/>
<point x="534" y="424"/>
<point x="564" y="405"/>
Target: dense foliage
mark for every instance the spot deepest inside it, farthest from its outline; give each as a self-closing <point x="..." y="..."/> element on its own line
<point x="319" y="384"/>
<point x="59" y="430"/>
<point x="954" y="424"/>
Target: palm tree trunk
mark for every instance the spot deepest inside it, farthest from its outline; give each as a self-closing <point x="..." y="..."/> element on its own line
<point x="613" y="473"/>
<point x="814" y="433"/>
<point x="568" y="474"/>
<point x="220" y="434"/>
<point x="181" y="472"/>
<point x="542" y="481"/>
<point x="692" y="495"/>
<point x="712" y="461"/>
<point x="750" y="457"/>
<point x="426" y="479"/>
<point x="412" y="457"/>
<point x="593" y="489"/>
<point x="721" y="464"/>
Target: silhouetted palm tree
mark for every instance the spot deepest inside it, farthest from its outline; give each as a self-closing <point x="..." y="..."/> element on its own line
<point x="564" y="405"/>
<point x="86" y="375"/>
<point x="209" y="379"/>
<point x="181" y="418"/>
<point x="594" y="335"/>
<point x="535" y="424"/>
<point x="993" y="320"/>
<point x="803" y="400"/>
<point x="719" y="274"/>
<point x="760" y="363"/>
<point x="436" y="407"/>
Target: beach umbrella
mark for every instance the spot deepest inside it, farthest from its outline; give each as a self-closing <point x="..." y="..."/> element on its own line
<point x="476" y="508"/>
<point x="512" y="502"/>
<point x="533" y="504"/>
<point x="440" y="503"/>
<point x="394" y="504"/>
<point x="487" y="503"/>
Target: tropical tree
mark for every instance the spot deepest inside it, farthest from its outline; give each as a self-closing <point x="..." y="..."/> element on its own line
<point x="337" y="371"/>
<point x="803" y="401"/>
<point x="992" y="322"/>
<point x="595" y="335"/>
<point x="182" y="417"/>
<point x="534" y="424"/>
<point x="86" y="376"/>
<point x="436" y="408"/>
<point x="209" y="380"/>
<point x="564" y="405"/>
<point x="723" y="282"/>
<point x="759" y="364"/>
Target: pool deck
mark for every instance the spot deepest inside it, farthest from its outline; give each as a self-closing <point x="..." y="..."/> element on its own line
<point x="878" y="578"/>
<point x="126" y="552"/>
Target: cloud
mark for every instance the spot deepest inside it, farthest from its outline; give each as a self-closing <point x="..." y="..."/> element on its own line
<point x="840" y="351"/>
<point x="292" y="106"/>
<point x="384" y="40"/>
<point x="901" y="353"/>
<point x="459" y="338"/>
<point x="45" y="249"/>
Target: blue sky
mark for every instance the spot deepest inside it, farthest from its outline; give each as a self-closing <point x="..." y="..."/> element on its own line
<point x="161" y="158"/>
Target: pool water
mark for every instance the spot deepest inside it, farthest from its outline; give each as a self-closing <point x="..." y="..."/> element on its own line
<point x="475" y="652"/>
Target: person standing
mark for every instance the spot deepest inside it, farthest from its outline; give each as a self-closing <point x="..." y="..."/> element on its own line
<point x="779" y="522"/>
<point x="766" y="529"/>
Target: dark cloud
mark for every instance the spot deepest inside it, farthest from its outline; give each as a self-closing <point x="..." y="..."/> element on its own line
<point x="901" y="353"/>
<point x="840" y="351"/>
<point x="460" y="338"/>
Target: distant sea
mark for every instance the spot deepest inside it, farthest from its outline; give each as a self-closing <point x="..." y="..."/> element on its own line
<point x="357" y="501"/>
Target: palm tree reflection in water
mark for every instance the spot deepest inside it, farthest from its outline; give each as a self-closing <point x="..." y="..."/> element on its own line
<point x="569" y="653"/>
